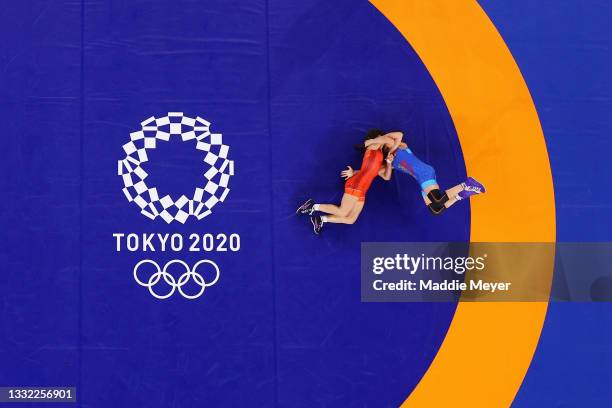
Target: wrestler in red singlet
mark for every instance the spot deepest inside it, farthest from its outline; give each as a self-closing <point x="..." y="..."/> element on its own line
<point x="359" y="184"/>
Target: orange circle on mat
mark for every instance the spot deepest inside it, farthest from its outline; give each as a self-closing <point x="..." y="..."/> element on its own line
<point x="489" y="346"/>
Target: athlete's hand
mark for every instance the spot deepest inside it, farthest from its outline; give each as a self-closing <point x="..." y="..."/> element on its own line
<point x="347" y="174"/>
<point x="390" y="157"/>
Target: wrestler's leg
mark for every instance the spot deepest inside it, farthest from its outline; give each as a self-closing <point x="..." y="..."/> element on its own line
<point x="350" y="218"/>
<point x="464" y="190"/>
<point x="318" y="221"/>
<point x="436" y="200"/>
<point x="454" y="191"/>
<point x="343" y="210"/>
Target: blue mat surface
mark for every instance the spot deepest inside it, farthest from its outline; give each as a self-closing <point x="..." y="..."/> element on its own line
<point x="292" y="85"/>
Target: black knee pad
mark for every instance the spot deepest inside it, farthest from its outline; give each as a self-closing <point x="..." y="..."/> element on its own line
<point x="437" y="196"/>
<point x="436" y="208"/>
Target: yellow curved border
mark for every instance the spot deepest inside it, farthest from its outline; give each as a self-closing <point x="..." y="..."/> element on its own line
<point x="489" y="346"/>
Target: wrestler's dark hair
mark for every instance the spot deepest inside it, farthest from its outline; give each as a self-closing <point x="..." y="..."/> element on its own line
<point x="372" y="134"/>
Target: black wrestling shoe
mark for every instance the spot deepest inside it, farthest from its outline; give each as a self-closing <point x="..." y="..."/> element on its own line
<point x="306" y="208"/>
<point x="317" y="224"/>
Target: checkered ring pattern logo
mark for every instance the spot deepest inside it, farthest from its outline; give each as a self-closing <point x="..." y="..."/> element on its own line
<point x="215" y="180"/>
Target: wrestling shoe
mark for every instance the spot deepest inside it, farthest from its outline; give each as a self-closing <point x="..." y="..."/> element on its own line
<point x="306" y="208"/>
<point x="317" y="224"/>
<point x="471" y="187"/>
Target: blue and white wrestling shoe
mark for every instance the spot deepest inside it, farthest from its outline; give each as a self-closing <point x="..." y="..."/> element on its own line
<point x="471" y="187"/>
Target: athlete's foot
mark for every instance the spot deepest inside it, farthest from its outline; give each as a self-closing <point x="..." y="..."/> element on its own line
<point x="471" y="187"/>
<point x="317" y="224"/>
<point x="306" y="208"/>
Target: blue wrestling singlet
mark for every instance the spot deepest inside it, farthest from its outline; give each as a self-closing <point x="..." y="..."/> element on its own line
<point x="406" y="162"/>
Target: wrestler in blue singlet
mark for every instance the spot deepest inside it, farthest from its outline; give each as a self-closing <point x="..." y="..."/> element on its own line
<point x="406" y="162"/>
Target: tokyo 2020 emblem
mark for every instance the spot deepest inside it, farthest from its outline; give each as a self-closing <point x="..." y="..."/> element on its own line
<point x="197" y="203"/>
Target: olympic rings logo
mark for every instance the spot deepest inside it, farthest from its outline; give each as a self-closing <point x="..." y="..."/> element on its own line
<point x="174" y="284"/>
